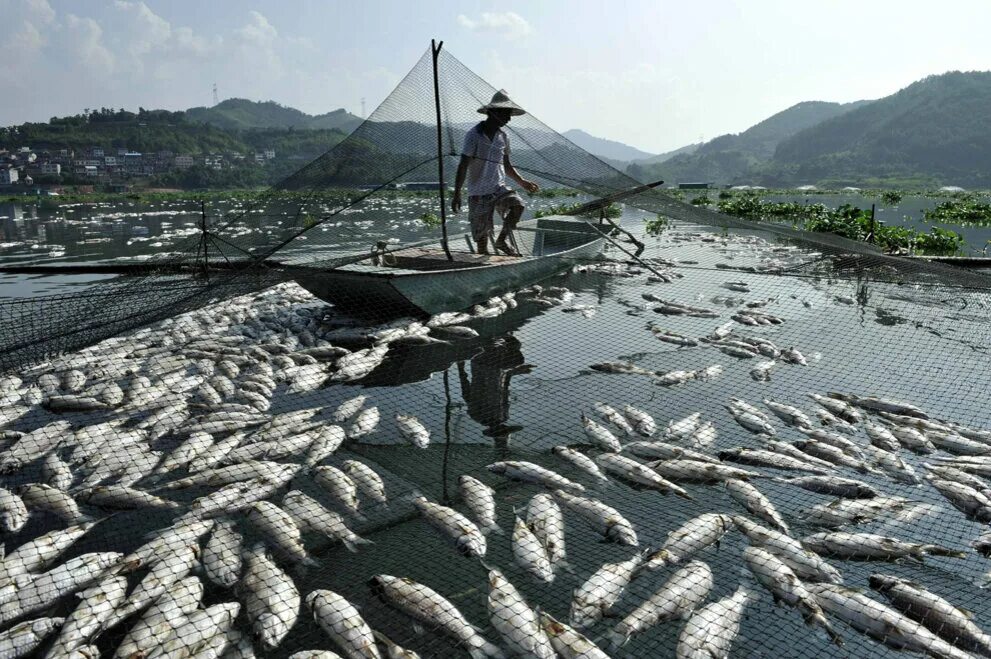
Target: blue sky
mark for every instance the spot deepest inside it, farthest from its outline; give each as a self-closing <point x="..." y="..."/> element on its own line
<point x="654" y="74"/>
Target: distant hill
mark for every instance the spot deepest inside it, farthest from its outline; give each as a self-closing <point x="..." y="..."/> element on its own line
<point x="668" y="155"/>
<point x="727" y="158"/>
<point x="938" y="128"/>
<point x="242" y="114"/>
<point x="608" y="149"/>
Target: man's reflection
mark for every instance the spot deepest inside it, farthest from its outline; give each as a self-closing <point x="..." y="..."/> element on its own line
<point x="487" y="391"/>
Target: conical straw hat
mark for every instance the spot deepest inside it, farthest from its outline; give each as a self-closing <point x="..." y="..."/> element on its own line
<point x="500" y="101"/>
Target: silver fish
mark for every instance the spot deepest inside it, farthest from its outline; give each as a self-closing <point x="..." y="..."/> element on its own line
<point x="966" y="499"/>
<point x="460" y="530"/>
<point x="567" y="642"/>
<point x="480" y="499"/>
<point x="789" y="414"/>
<point x="786" y="587"/>
<point x="348" y="408"/>
<point x="308" y="513"/>
<point x="665" y="451"/>
<point x="693" y="471"/>
<point x="427" y="606"/>
<point x="690" y="538"/>
<point x="45" y="589"/>
<point x="369" y="483"/>
<point x="597" y="595"/>
<point x="515" y="621"/>
<point x="327" y="440"/>
<point x="341" y="621"/>
<point x="756" y="503"/>
<point x="530" y="553"/>
<point x="36" y="555"/>
<point x="833" y="485"/>
<point x="38" y="496"/>
<point x="13" y="512"/>
<point x="775" y="459"/>
<point x="806" y="564"/>
<point x="677" y="598"/>
<point x="533" y="473"/>
<point x="338" y="485"/>
<point x="869" y="546"/>
<point x="641" y="474"/>
<point x="365" y="423"/>
<point x="601" y="437"/>
<point x="711" y="630"/>
<point x="613" y="416"/>
<point x="56" y="473"/>
<point x="221" y="557"/>
<point x="95" y="606"/>
<point x="893" y="466"/>
<point x="938" y="615"/>
<point x="842" y="512"/>
<point x="950" y="473"/>
<point x="23" y="639"/>
<point x="165" y="571"/>
<point x="643" y="423"/>
<point x="271" y="599"/>
<point x="197" y="632"/>
<point x="881" y="622"/>
<point x="682" y="428"/>
<point x="605" y="520"/>
<point x="413" y="430"/>
<point x="545" y="520"/>
<point x="278" y="529"/>
<point x="847" y="446"/>
<point x="840" y="408"/>
<point x="581" y="461"/>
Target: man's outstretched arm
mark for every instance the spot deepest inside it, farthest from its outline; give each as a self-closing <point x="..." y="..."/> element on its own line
<point x="511" y="172"/>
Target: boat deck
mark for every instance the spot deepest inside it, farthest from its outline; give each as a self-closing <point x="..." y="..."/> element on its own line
<point x="419" y="259"/>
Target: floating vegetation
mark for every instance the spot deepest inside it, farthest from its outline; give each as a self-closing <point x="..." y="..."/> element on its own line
<point x="891" y="196"/>
<point x="964" y="211"/>
<point x="655" y="226"/>
<point x="612" y="211"/>
<point x="847" y="221"/>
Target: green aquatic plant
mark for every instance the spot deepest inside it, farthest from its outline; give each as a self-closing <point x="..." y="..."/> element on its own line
<point x="701" y="200"/>
<point x="611" y="211"/>
<point x="846" y="221"/>
<point x="963" y="211"/>
<point x="430" y="220"/>
<point x="891" y="196"/>
<point x="655" y="226"/>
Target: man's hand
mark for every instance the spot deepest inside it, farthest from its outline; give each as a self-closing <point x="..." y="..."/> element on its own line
<point x="530" y="186"/>
<point x="456" y="202"/>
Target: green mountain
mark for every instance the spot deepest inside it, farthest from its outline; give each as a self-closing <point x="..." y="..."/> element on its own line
<point x="935" y="131"/>
<point x="728" y="158"/>
<point x="242" y="114"/>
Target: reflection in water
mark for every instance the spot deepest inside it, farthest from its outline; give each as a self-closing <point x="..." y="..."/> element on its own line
<point x="486" y="389"/>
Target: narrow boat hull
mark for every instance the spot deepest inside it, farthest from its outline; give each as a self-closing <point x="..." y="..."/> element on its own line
<point x="371" y="291"/>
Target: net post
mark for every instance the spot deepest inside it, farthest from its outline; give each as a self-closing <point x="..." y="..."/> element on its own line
<point x="203" y="239"/>
<point x="435" y="50"/>
<point x="873" y="225"/>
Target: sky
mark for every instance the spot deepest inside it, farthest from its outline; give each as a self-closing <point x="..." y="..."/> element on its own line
<point x="654" y="74"/>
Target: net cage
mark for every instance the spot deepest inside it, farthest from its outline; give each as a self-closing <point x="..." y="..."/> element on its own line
<point x="743" y="440"/>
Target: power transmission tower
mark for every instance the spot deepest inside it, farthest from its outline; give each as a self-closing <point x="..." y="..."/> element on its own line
<point x="216" y="98"/>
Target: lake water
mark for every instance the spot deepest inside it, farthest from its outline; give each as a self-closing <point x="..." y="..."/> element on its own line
<point x="133" y="231"/>
<point x="518" y="389"/>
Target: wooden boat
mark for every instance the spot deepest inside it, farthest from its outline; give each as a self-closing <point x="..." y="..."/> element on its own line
<point x="422" y="280"/>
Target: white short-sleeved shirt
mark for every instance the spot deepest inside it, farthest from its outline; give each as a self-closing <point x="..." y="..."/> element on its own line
<point x="486" y="174"/>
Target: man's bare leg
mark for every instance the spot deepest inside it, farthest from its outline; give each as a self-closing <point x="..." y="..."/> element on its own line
<point x="509" y="223"/>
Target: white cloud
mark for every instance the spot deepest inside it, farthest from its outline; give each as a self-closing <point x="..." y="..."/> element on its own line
<point x="146" y="30"/>
<point x="508" y="24"/>
<point x="28" y="38"/>
<point x="84" y="41"/>
<point x="259" y="31"/>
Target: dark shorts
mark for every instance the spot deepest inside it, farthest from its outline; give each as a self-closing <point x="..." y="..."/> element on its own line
<point x="481" y="209"/>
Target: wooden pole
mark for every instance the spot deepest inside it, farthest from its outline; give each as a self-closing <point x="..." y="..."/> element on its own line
<point x="435" y="49"/>
<point x="203" y="239"/>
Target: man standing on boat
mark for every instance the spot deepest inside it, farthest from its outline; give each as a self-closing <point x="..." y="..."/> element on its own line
<point x="485" y="162"/>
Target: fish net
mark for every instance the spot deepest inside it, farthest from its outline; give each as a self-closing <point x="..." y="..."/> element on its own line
<point x="743" y="440"/>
